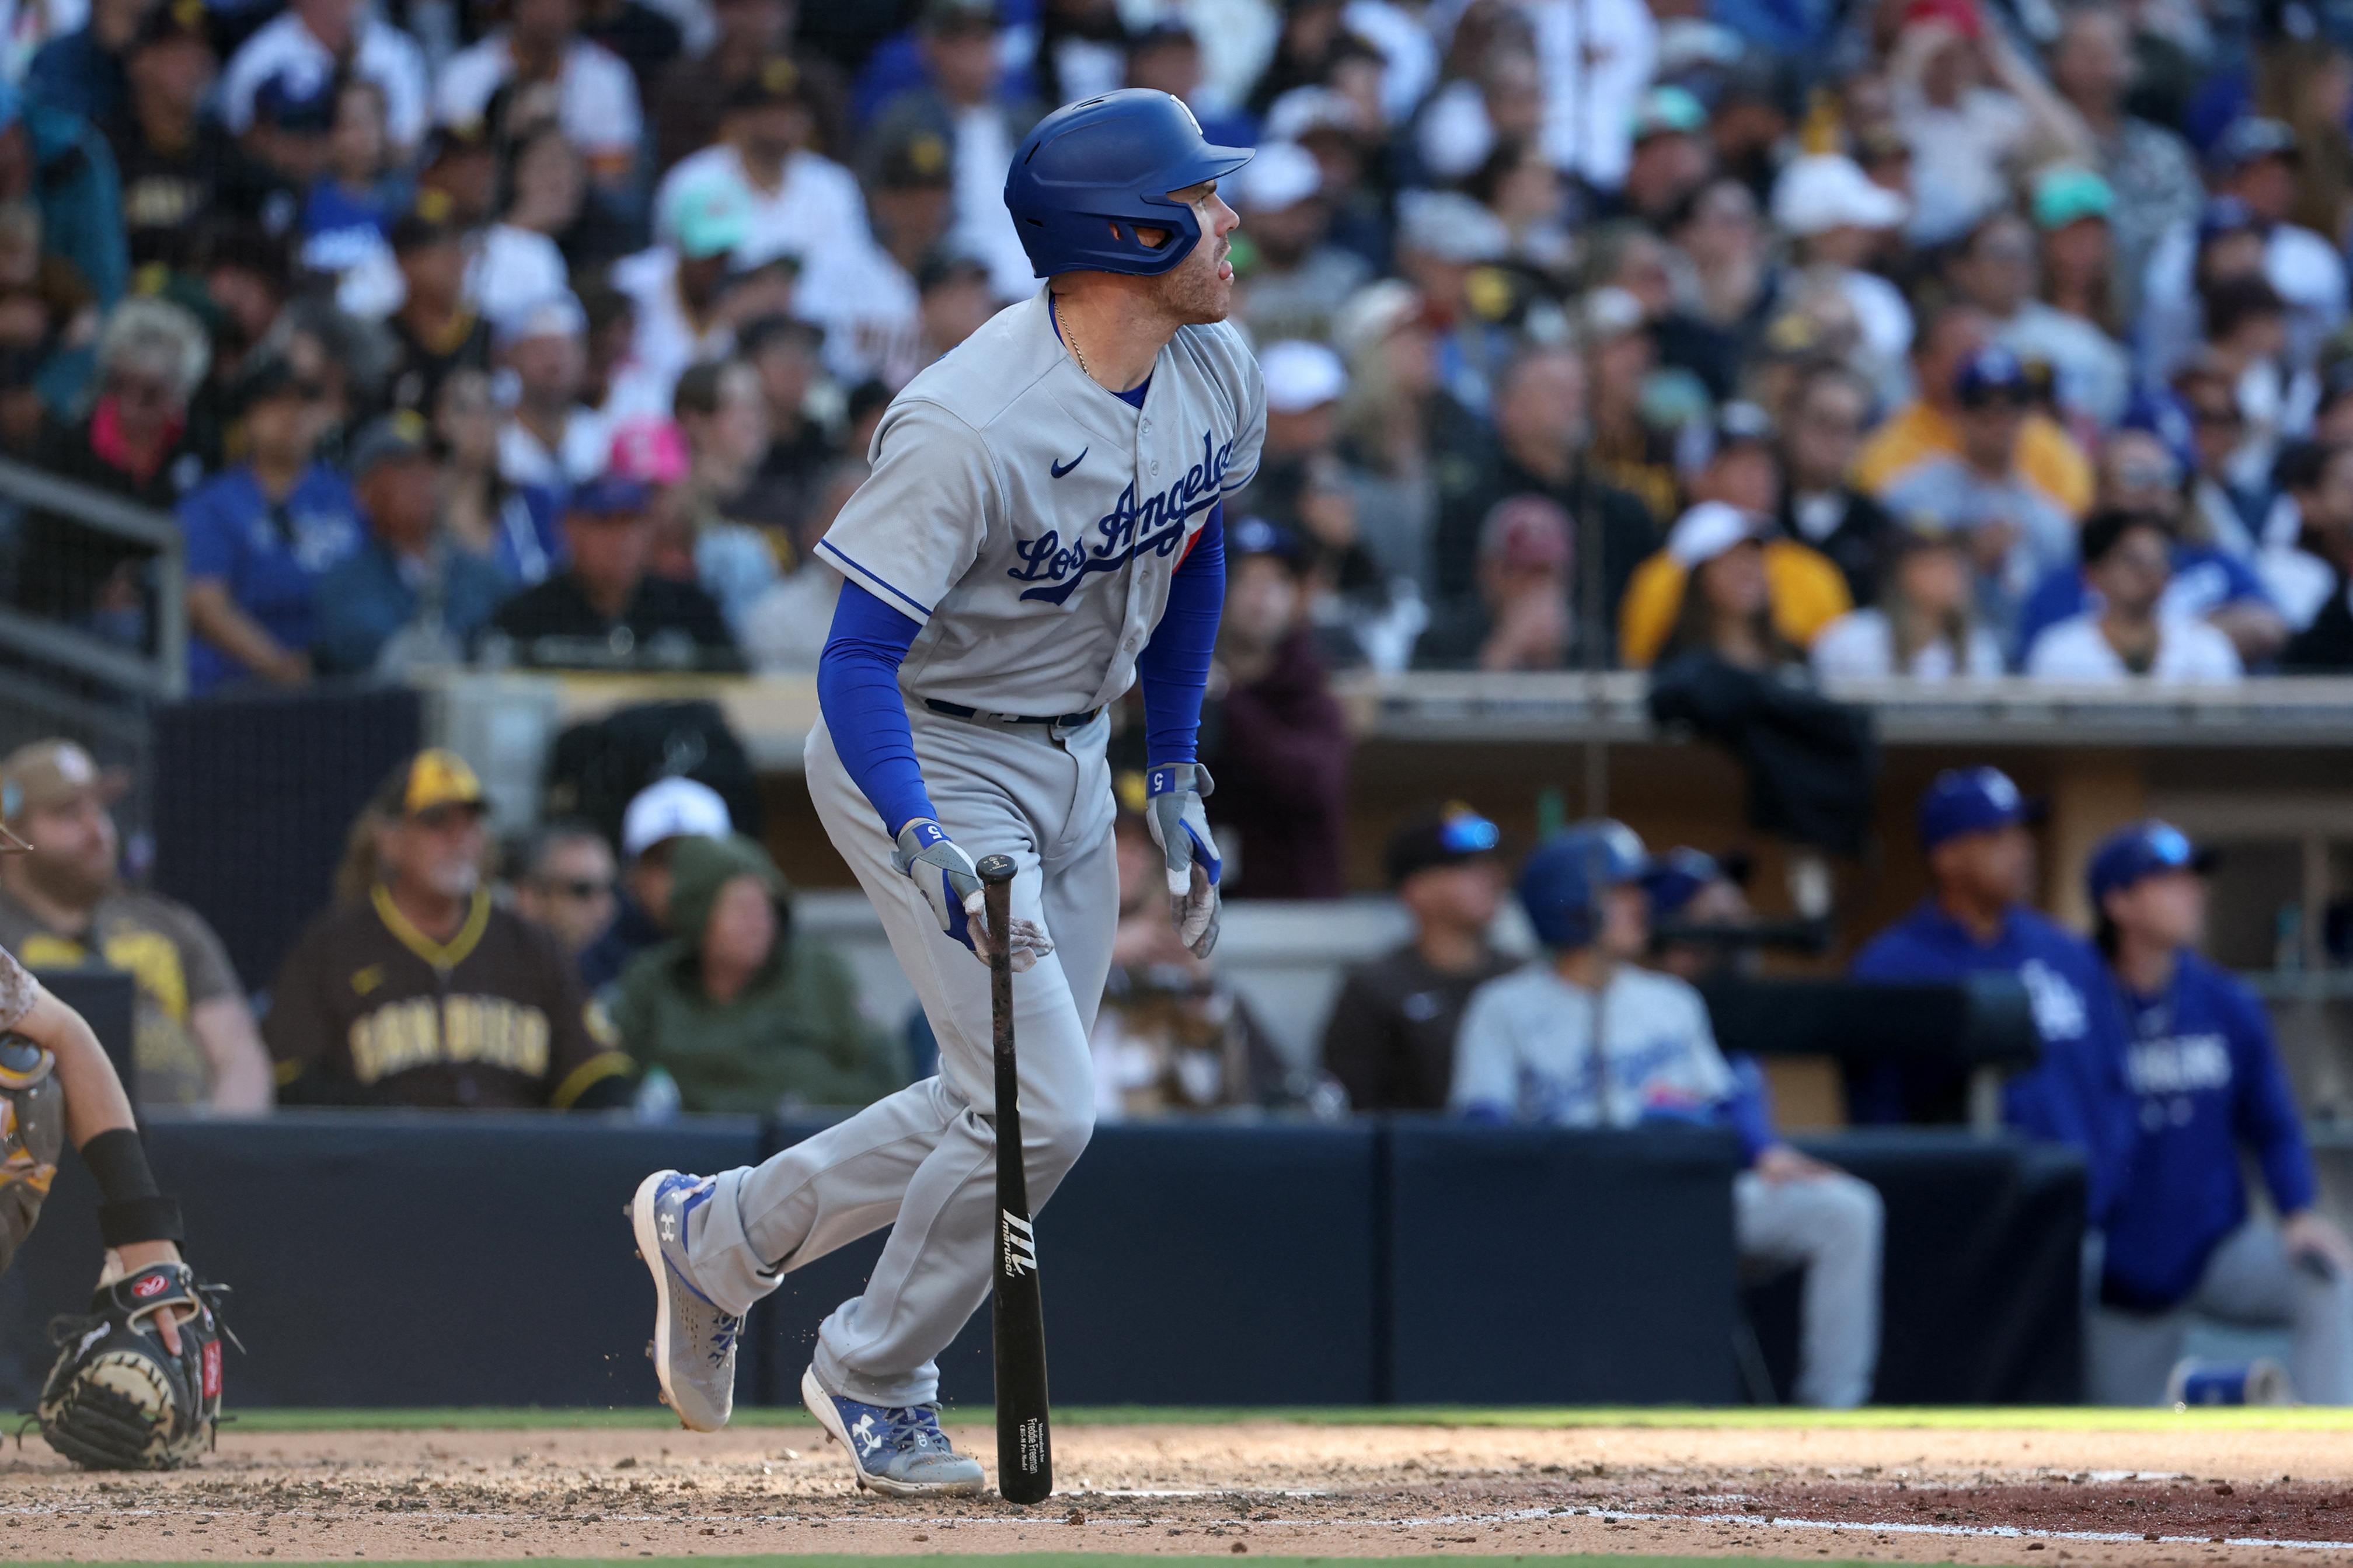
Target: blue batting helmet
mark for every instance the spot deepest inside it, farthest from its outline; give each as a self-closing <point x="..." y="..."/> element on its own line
<point x="1561" y="886"/>
<point x="1091" y="173"/>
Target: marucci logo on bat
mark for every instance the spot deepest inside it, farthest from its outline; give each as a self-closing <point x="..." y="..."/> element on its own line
<point x="1020" y="1244"/>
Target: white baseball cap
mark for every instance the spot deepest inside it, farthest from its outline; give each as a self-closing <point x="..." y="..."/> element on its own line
<point x="1707" y="531"/>
<point x="1301" y="375"/>
<point x="673" y="809"/>
<point x="1824" y="191"/>
<point x="1282" y="175"/>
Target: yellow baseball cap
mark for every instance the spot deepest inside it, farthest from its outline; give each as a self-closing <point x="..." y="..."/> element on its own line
<point x="435" y="776"/>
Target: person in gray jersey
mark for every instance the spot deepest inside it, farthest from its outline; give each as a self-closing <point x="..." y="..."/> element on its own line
<point x="1043" y="527"/>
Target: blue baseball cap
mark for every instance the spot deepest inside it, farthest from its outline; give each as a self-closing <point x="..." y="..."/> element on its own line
<point x="1988" y="372"/>
<point x="2144" y="850"/>
<point x="1968" y="800"/>
<point x="610" y="495"/>
<point x="1675" y="878"/>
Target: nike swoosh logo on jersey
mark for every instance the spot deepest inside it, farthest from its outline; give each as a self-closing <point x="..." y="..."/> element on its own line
<point x="1059" y="470"/>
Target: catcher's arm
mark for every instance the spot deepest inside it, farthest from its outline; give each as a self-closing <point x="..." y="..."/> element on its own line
<point x="99" y="1123"/>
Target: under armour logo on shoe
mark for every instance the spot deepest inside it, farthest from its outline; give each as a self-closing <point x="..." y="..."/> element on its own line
<point x="669" y="1227"/>
<point x="867" y="1439"/>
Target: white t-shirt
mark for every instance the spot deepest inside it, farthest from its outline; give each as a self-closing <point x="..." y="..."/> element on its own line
<point x="1525" y="1049"/>
<point x="285" y="48"/>
<point x="525" y="458"/>
<point x="666" y="341"/>
<point x="871" y="312"/>
<point x="2189" y="653"/>
<point x="818" y="206"/>
<point x="511" y="270"/>
<point x="596" y="97"/>
<point x="1596" y="57"/>
<point x="1957" y="154"/>
<point x="1860" y="646"/>
<point x="982" y="228"/>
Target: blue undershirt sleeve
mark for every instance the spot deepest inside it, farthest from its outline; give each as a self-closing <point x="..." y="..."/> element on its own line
<point x="1174" y="667"/>
<point x="858" y="691"/>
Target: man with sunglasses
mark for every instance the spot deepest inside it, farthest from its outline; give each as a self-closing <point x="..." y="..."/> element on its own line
<point x="2124" y="630"/>
<point x="1390" y="1040"/>
<point x="2204" y="1089"/>
<point x="261" y="537"/>
<point x="424" y="992"/>
<point x="567" y="884"/>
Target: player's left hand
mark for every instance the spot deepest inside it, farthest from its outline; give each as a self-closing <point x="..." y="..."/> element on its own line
<point x="1172" y="794"/>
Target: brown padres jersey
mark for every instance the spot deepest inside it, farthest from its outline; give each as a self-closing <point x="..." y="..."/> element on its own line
<point x="370" y="1010"/>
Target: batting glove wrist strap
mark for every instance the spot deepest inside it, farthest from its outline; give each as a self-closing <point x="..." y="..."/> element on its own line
<point x="1172" y="794"/>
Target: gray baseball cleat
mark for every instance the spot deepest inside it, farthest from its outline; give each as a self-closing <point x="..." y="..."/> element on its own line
<point x="693" y="1348"/>
<point x="896" y="1449"/>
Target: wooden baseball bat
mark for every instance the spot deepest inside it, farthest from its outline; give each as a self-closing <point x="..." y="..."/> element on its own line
<point x="1025" y="1449"/>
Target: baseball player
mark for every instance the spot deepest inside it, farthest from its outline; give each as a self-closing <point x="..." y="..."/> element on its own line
<point x="1529" y="1053"/>
<point x="2204" y="1086"/>
<point x="1043" y="528"/>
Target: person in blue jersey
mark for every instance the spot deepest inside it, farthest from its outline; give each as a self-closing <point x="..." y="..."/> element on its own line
<point x="2206" y="1087"/>
<point x="1976" y="920"/>
<point x="1586" y="1037"/>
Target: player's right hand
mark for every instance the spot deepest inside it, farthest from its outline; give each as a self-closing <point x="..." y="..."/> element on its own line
<point x="950" y="883"/>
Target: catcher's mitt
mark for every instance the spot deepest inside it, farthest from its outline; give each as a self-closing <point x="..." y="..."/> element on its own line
<point x="117" y="1400"/>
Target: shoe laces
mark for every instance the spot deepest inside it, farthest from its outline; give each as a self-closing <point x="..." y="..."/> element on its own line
<point x="915" y="1429"/>
<point x="724" y="1329"/>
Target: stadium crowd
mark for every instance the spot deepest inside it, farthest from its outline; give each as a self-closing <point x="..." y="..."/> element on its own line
<point x="1921" y="338"/>
<point x="2003" y="338"/>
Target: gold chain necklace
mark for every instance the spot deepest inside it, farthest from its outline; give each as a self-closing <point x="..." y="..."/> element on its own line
<point x="1072" y="344"/>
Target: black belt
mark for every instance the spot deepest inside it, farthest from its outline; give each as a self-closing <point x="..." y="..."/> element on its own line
<point x="959" y="711"/>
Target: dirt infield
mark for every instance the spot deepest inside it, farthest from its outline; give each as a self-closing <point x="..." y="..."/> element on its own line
<point x="2185" y="1494"/>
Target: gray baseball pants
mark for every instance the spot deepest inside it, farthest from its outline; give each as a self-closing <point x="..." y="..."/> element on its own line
<point x="2252" y="1280"/>
<point x="1831" y="1226"/>
<point x="923" y="1160"/>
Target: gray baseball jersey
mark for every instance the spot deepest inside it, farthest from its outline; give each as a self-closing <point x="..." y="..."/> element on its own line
<point x="1031" y="519"/>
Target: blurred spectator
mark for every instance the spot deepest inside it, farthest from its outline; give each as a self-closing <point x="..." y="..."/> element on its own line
<point x="2138" y="474"/>
<point x="1639" y="262"/>
<point x="82" y="72"/>
<point x="2246" y="341"/>
<point x="1281" y="754"/>
<point x="1922" y="623"/>
<point x="783" y="352"/>
<point x="2147" y="166"/>
<point x="297" y="54"/>
<point x="799" y="201"/>
<point x="545" y="231"/>
<point x="565" y="883"/>
<point x="434" y="331"/>
<point x="865" y="298"/>
<point x="2316" y="503"/>
<point x="262" y="535"/>
<point x="1838" y="220"/>
<point x="1291" y="280"/>
<point x="2208" y="406"/>
<point x="1170" y="1036"/>
<point x="2326" y="643"/>
<point x="1723" y="584"/>
<point x="133" y="443"/>
<point x="604" y="606"/>
<point x="1819" y="507"/>
<point x="656" y="820"/>
<point x="744" y="1013"/>
<point x="1166" y="57"/>
<point x="1594" y="62"/>
<point x="1931" y="426"/>
<point x="543" y="71"/>
<point x="406" y="597"/>
<point x="65" y="906"/>
<point x="1722" y="238"/>
<point x="645" y="37"/>
<point x="176" y="164"/>
<point x="421" y="990"/>
<point x="1395" y="420"/>
<point x="690" y="98"/>
<point x="724" y="413"/>
<point x="953" y="294"/>
<point x="1443" y="240"/>
<point x="676" y="288"/>
<point x="551" y="438"/>
<point x="1390" y="1038"/>
<point x="1690" y="891"/>
<point x="1996" y="270"/>
<point x="2251" y="166"/>
<point x="61" y="164"/>
<point x="511" y="526"/>
<point x="2078" y="317"/>
<point x="2128" y="561"/>
<point x="1976" y="920"/>
<point x="348" y="216"/>
<point x="1584" y="1037"/>
<point x="1983" y="491"/>
<point x="2179" y="1243"/>
<point x="1633" y="445"/>
<point x="1522" y="618"/>
<point x="960" y="103"/>
<point x="1970" y="107"/>
<point x="1669" y="156"/>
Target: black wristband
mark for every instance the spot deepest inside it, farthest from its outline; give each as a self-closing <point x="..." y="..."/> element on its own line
<point x="131" y="1210"/>
<point x="126" y="1222"/>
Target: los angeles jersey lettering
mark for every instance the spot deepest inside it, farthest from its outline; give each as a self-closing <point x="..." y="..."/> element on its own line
<point x="1039" y="578"/>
